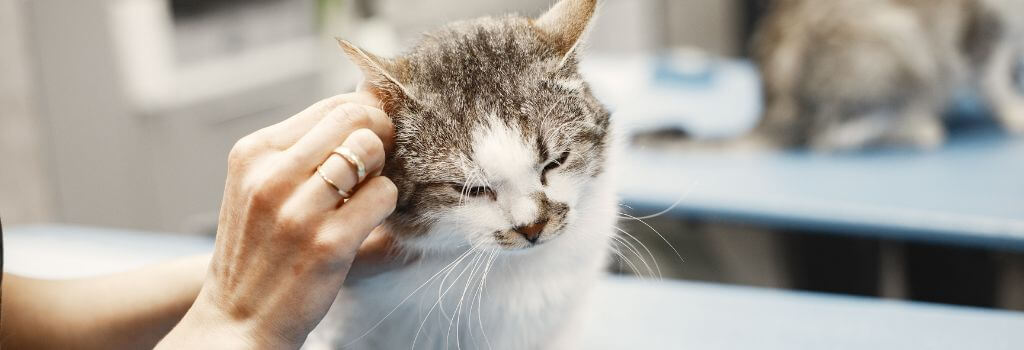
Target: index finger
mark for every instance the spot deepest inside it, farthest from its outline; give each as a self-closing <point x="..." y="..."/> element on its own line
<point x="285" y="133"/>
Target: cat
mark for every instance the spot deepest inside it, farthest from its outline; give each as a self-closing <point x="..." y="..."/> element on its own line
<point x="502" y="158"/>
<point x="851" y="74"/>
<point x="844" y="75"/>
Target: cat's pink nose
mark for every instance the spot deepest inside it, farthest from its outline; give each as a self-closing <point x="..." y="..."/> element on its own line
<point x="532" y="231"/>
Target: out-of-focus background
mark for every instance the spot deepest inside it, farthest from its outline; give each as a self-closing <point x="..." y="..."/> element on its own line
<point x="120" y="113"/>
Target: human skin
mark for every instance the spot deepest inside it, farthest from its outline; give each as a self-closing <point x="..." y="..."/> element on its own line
<point x="286" y="242"/>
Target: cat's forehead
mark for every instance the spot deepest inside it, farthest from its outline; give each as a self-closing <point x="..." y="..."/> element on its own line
<point x="501" y="151"/>
<point x="491" y="91"/>
<point x="485" y="55"/>
<point x="496" y="147"/>
<point x="457" y="149"/>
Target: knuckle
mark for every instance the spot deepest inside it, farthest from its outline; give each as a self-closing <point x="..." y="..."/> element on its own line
<point x="331" y="103"/>
<point x="266" y="193"/>
<point x="379" y="115"/>
<point x="352" y="116"/>
<point x="296" y="225"/>
<point x="384" y="125"/>
<point x="243" y="149"/>
<point x="324" y="248"/>
<point x="376" y="145"/>
<point x="292" y="230"/>
<point x="374" y="110"/>
<point x="262" y="198"/>
<point x="288" y="224"/>
<point x="389" y="191"/>
<point x="390" y="188"/>
<point x="286" y="166"/>
<point x="367" y="143"/>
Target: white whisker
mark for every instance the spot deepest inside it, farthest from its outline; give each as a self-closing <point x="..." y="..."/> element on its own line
<point x="449" y="266"/>
<point x="632" y="266"/>
<point x="472" y="297"/>
<point x="626" y="260"/>
<point x="682" y="197"/>
<point x="457" y="320"/>
<point x="631" y="248"/>
<point x="439" y="301"/>
<point x="480" y="298"/>
<point x="674" y="250"/>
<point x="653" y="258"/>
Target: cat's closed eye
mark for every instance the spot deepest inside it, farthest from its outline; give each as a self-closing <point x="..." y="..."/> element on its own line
<point x="553" y="165"/>
<point x="473" y="191"/>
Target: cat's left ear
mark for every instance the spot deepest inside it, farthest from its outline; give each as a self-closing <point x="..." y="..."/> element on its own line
<point x="565" y="24"/>
<point x="380" y="74"/>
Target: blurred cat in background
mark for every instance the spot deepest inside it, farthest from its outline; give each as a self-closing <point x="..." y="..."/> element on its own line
<point x="501" y="158"/>
<point x="851" y="74"/>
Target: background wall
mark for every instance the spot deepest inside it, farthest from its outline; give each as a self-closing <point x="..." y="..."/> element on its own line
<point x="24" y="193"/>
<point x="712" y="25"/>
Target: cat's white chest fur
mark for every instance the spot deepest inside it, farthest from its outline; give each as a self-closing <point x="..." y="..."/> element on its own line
<point x="528" y="300"/>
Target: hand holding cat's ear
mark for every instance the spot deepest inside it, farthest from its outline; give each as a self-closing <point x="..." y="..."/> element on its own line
<point x="285" y="242"/>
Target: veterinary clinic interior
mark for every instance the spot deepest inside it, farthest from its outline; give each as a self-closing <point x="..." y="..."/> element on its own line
<point x="781" y="174"/>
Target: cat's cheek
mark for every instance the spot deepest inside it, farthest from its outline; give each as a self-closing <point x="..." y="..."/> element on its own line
<point x="477" y="221"/>
<point x="562" y="188"/>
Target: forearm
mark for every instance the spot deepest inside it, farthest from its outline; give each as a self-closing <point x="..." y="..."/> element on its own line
<point x="204" y="327"/>
<point x="123" y="311"/>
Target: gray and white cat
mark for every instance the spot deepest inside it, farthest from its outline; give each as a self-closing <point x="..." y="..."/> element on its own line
<point x="502" y="161"/>
<point x="848" y="74"/>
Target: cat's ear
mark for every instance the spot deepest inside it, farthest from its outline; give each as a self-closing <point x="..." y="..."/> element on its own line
<point x="565" y="24"/>
<point x="380" y="73"/>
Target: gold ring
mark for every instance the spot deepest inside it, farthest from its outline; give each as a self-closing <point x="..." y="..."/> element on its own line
<point x="343" y="193"/>
<point x="353" y="159"/>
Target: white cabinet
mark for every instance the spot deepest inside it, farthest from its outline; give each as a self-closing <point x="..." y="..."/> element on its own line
<point x="133" y="138"/>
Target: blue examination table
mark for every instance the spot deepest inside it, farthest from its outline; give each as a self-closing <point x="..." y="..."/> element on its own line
<point x="627" y="313"/>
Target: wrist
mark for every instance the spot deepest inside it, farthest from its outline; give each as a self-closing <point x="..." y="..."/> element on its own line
<point x="206" y="326"/>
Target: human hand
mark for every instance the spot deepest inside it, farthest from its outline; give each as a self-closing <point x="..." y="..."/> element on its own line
<point x="286" y="239"/>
